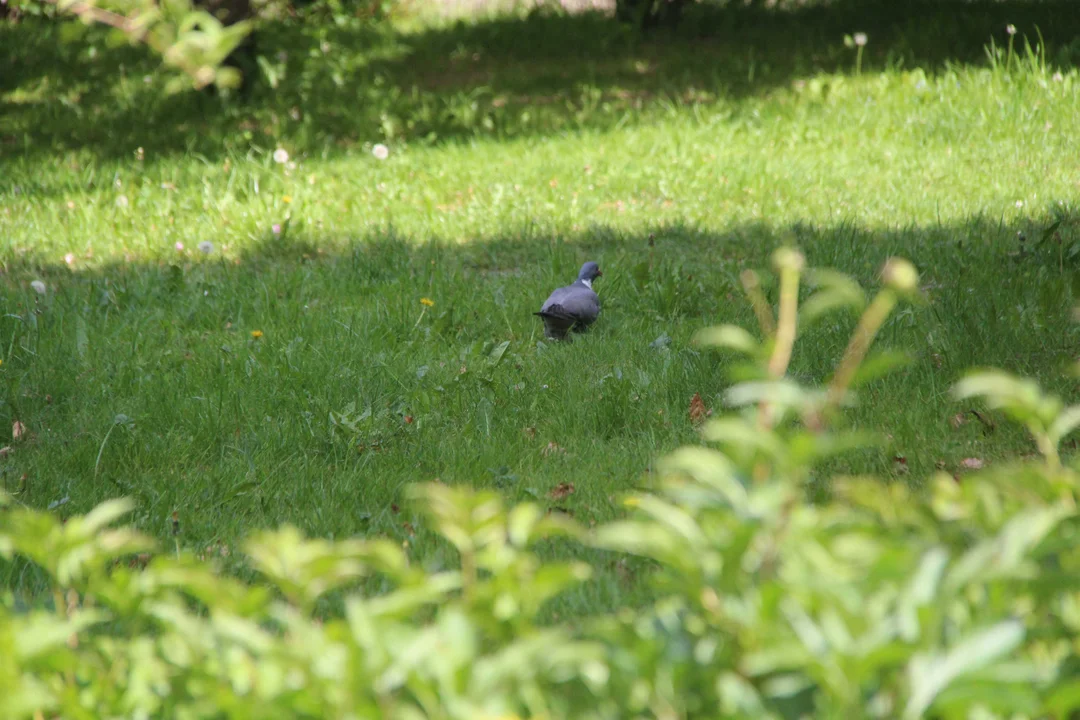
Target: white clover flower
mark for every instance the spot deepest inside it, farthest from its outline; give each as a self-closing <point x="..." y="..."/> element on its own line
<point x="380" y="151"/>
<point x="860" y="39"/>
<point x="206" y="246"/>
<point x="122" y="201"/>
<point x="1010" y="29"/>
<point x="70" y="258"/>
<point x="39" y="287"/>
<point x="281" y="156"/>
<point x="179" y="246"/>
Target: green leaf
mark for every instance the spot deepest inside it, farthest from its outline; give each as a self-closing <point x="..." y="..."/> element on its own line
<point x="1021" y="398"/>
<point x="709" y="468"/>
<point x="70" y="32"/>
<point x="105" y="514"/>
<point x="879" y="364"/>
<point x="734" y="430"/>
<point x="1006" y="554"/>
<point x="497" y="354"/>
<point x="227" y="77"/>
<point x="640" y="538"/>
<point x="806" y="629"/>
<point x="738" y="698"/>
<point x="1065" y="699"/>
<point x="783" y="393"/>
<point x="805" y="447"/>
<point x="1065" y="423"/>
<point x="731" y="337"/>
<point x="1012" y="699"/>
<point x="673" y="518"/>
<point x="402" y="603"/>
<point x="29" y="698"/>
<point x="998" y="387"/>
<point x="243" y="631"/>
<point x="41" y="632"/>
<point x="930" y="675"/>
<point x="838" y="292"/>
<point x="552" y="579"/>
<point x="520" y="523"/>
<point x="923" y="586"/>
<point x="921" y="591"/>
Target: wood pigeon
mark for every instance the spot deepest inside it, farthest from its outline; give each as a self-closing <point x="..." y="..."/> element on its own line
<point x="573" y="307"/>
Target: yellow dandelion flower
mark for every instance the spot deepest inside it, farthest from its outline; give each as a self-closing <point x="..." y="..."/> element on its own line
<point x="287" y="199"/>
<point x="427" y="301"/>
<point x="256" y="334"/>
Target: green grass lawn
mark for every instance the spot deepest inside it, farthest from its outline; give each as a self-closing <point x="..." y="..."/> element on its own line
<point x="675" y="162"/>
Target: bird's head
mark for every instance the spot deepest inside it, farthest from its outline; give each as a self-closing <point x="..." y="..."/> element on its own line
<point x="589" y="272"/>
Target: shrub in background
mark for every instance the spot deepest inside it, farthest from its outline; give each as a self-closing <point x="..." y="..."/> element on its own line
<point x="209" y="43"/>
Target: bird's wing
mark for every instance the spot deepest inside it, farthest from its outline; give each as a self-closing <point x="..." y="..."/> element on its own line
<point x="574" y="301"/>
<point x="555" y="298"/>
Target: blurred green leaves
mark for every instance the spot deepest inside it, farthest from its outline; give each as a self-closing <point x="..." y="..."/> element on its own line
<point x="189" y="39"/>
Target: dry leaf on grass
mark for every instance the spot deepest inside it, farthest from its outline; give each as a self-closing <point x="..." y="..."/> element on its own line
<point x="971" y="463"/>
<point x="698" y="413"/>
<point x="958" y="419"/>
<point x="553" y="449"/>
<point x="5" y="451"/>
<point x="561" y="491"/>
<point x="17" y="430"/>
<point x="900" y="465"/>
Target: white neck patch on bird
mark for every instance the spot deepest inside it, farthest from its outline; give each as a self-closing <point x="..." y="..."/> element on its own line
<point x="586" y="283"/>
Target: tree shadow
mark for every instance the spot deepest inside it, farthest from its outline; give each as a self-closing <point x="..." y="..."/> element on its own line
<point x="326" y="88"/>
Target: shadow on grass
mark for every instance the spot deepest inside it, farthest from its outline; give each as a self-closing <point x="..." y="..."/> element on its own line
<point x="990" y="299"/>
<point x="334" y="87"/>
<point x="232" y="430"/>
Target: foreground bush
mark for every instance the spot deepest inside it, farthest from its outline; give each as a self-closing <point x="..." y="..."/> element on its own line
<point x="955" y="601"/>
